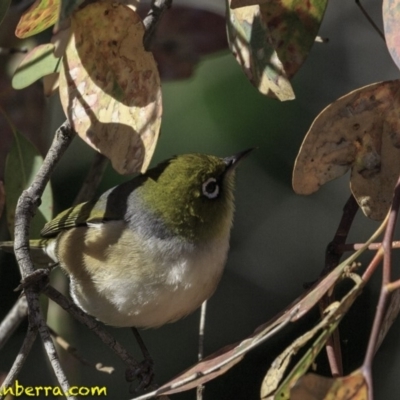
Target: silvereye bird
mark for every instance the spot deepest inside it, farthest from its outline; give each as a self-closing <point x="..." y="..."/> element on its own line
<point x="151" y="250"/>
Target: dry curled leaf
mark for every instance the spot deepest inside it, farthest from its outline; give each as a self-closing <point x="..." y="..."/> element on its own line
<point x="109" y="85"/>
<point x="315" y="387"/>
<point x="311" y="387"/>
<point x="350" y="387"/>
<point x="361" y="131"/>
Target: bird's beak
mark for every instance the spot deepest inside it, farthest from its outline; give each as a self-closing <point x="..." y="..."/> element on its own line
<point x="233" y="161"/>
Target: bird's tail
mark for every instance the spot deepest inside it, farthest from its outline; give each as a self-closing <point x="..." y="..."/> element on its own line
<point x="37" y="250"/>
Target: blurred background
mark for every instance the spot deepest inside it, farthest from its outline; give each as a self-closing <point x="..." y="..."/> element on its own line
<point x="279" y="238"/>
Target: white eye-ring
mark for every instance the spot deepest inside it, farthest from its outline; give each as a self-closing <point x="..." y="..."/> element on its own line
<point x="210" y="188"/>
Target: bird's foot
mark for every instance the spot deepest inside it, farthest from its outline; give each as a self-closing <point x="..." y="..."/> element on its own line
<point x="143" y="372"/>
<point x="38" y="278"/>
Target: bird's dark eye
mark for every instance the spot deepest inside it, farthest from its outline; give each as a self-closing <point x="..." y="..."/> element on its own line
<point x="210" y="188"/>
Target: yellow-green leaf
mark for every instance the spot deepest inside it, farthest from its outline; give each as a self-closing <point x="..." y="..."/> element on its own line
<point x="38" y="63"/>
<point x="110" y="87"/>
<point x="40" y="16"/>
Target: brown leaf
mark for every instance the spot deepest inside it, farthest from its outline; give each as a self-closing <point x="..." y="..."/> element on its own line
<point x="351" y="387"/>
<point x="360" y="131"/>
<point x="311" y="387"/>
<point x="315" y="387"/>
<point x="109" y="85"/>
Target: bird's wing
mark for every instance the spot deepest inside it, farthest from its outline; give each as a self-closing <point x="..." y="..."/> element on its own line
<point x="111" y="206"/>
<point x="80" y="215"/>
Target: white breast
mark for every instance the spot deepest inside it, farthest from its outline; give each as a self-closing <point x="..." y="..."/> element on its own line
<point x="162" y="281"/>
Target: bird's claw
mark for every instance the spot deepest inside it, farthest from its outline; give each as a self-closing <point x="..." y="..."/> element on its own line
<point x="38" y="278"/>
<point x="143" y="372"/>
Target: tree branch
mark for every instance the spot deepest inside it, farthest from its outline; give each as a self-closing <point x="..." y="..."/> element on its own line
<point x="19" y="360"/>
<point x="25" y="210"/>
<point x="384" y="296"/>
<point x="12" y="320"/>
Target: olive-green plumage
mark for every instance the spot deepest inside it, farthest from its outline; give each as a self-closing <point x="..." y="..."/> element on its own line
<point x="152" y="249"/>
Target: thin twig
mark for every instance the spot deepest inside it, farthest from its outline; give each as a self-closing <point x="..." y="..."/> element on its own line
<point x="25" y="210"/>
<point x="391" y="287"/>
<point x="74" y="353"/>
<point x="384" y="294"/>
<point x="152" y="19"/>
<point x="12" y="320"/>
<point x="203" y="311"/>
<point x="334" y="251"/>
<point x="373" y="265"/>
<point x="332" y="258"/>
<point x="372" y="246"/>
<point x="370" y="20"/>
<point x="19" y="360"/>
<point x="255" y="341"/>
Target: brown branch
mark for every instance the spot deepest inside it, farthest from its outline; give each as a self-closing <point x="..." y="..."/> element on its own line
<point x="372" y="246"/>
<point x="332" y="258"/>
<point x="334" y="249"/>
<point x="384" y="294"/>
<point x="25" y="210"/>
<point x="74" y="353"/>
<point x="391" y="287"/>
<point x="373" y="265"/>
<point x="19" y="360"/>
<point x="12" y="320"/>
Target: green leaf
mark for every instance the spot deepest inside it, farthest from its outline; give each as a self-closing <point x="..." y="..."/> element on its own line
<point x="4" y="6"/>
<point x="22" y="163"/>
<point x="38" y="63"/>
